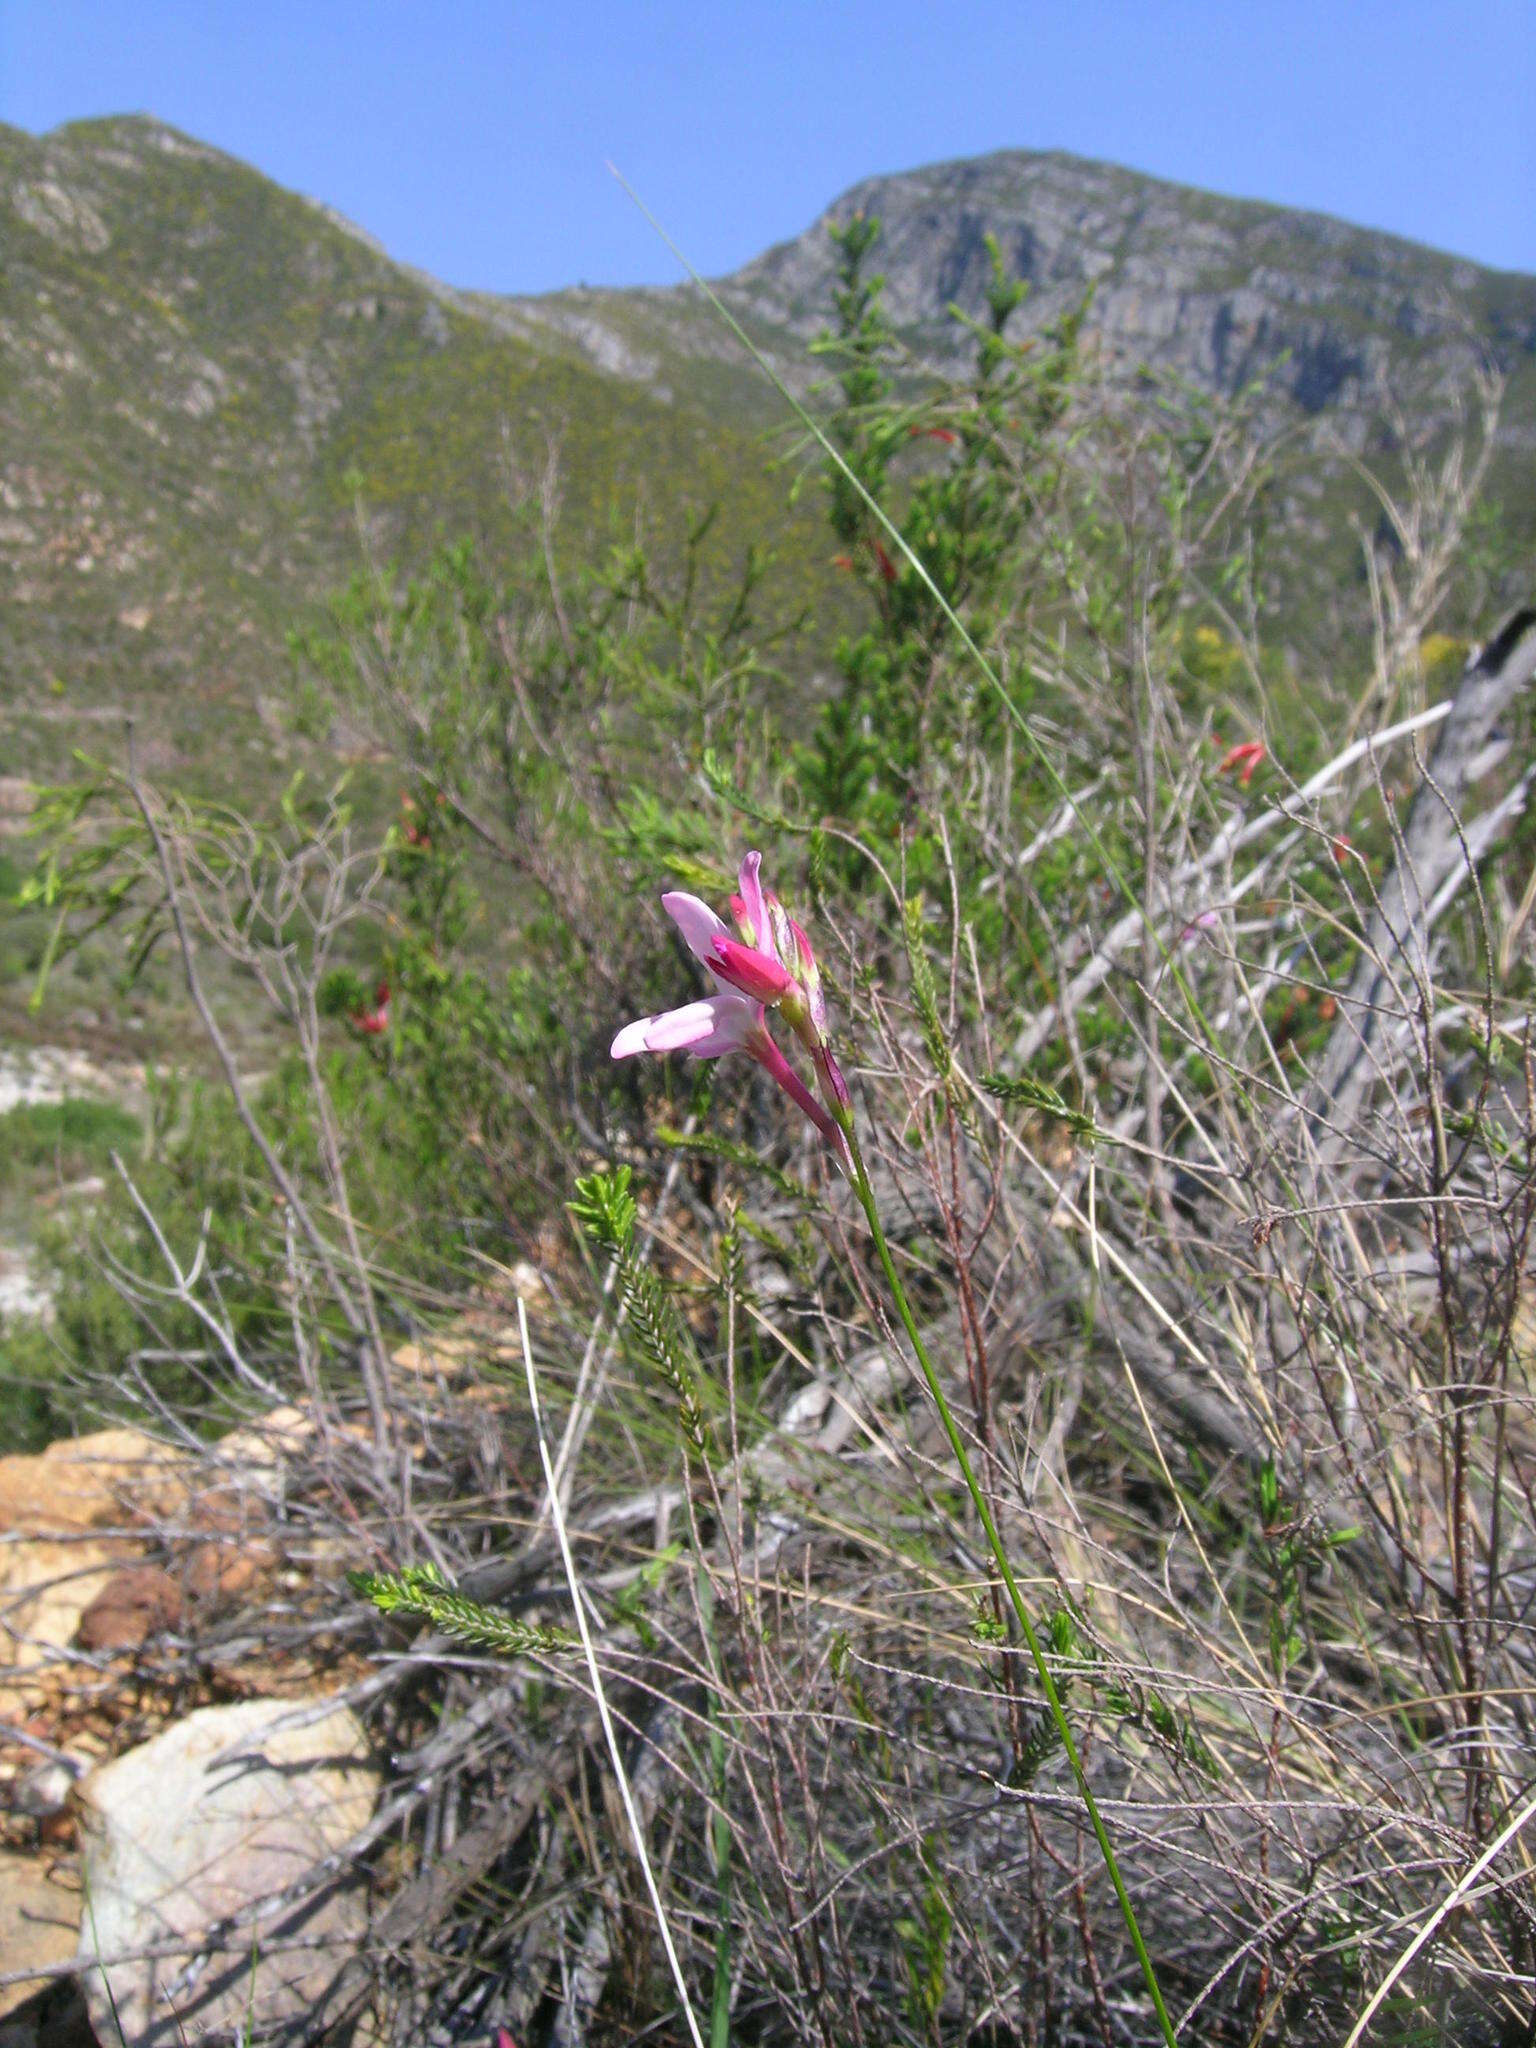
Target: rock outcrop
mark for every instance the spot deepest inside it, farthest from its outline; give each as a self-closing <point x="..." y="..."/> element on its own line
<point x="116" y="1552"/>
<point x="222" y="1811"/>
<point x="1215" y="290"/>
<point x="1340" y="322"/>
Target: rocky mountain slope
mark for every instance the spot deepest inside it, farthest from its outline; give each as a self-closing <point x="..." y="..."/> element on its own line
<point x="201" y="374"/>
<point x="200" y="377"/>
<point x="1340" y="320"/>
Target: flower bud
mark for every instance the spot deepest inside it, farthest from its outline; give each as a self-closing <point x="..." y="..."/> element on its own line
<point x="808" y="974"/>
<point x="834" y="1088"/>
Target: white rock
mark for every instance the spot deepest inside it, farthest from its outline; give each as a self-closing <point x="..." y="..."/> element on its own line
<point x="224" y="1809"/>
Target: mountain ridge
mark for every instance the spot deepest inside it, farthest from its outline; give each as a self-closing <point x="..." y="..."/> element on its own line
<point x="1261" y="289"/>
<point x="201" y="372"/>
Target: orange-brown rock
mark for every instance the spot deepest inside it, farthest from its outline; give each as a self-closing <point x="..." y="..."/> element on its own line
<point x="223" y="1571"/>
<point x="106" y="1481"/>
<point x="255" y="1457"/>
<point x="76" y="1507"/>
<point x="136" y="1603"/>
<point x="446" y="1357"/>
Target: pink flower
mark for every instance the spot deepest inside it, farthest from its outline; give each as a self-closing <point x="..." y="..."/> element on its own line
<point x="750" y="964"/>
<point x="808" y="974"/>
<point x="415" y="834"/>
<point x="770" y="965"/>
<point x="754" y="973"/>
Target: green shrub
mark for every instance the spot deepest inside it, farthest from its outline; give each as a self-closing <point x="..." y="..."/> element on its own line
<point x="74" y="1135"/>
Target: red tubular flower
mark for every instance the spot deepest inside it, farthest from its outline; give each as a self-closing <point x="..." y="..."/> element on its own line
<point x="884" y="563"/>
<point x="414" y="834"/>
<point x="1245" y="757"/>
<point x="373" y="1023"/>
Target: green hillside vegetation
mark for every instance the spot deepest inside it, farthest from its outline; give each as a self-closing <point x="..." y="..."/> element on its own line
<point x="205" y="376"/>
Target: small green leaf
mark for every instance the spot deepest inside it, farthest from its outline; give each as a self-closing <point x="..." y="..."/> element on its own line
<point x="421" y="1589"/>
<point x="1032" y="1094"/>
<point x="605" y="1208"/>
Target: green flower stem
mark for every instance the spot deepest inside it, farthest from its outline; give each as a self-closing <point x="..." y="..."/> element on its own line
<point x="866" y="1195"/>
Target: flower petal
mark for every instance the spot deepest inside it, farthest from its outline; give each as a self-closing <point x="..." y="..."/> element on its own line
<point x="750" y="883"/>
<point x="755" y="973"/>
<point x="717" y="1024"/>
<point x="631" y="1039"/>
<point x="697" y="922"/>
<point x="736" y="1020"/>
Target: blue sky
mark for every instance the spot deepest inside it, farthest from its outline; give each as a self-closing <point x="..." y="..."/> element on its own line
<point x="471" y="138"/>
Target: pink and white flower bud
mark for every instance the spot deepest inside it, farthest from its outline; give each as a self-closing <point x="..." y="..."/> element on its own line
<point x="779" y="926"/>
<point x="808" y="974"/>
<point x="833" y="1087"/>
